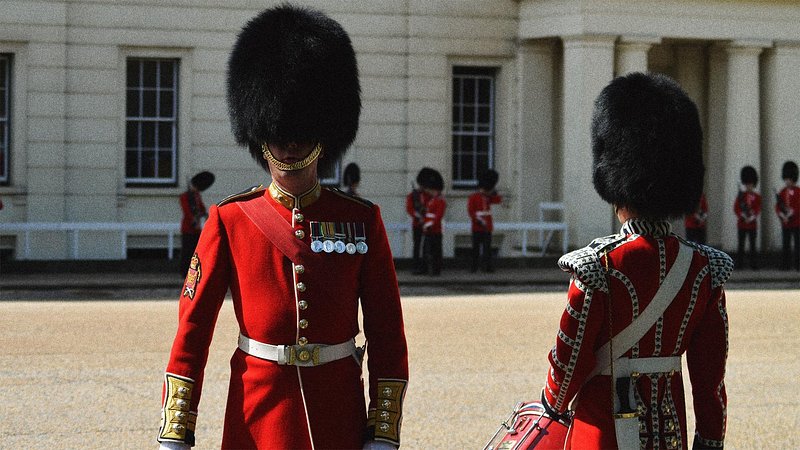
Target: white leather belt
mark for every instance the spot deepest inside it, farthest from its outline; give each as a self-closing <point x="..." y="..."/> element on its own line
<point x="308" y="355"/>
<point x="626" y="366"/>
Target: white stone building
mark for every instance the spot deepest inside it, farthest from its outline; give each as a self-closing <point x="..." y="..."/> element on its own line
<point x="108" y="107"/>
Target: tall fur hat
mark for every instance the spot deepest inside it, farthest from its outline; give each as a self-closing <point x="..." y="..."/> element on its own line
<point x="352" y="174"/>
<point x="203" y="180"/>
<point x="488" y="179"/>
<point x="748" y="175"/>
<point x="647" y="146"/>
<point x="293" y="77"/>
<point x="789" y="171"/>
<point x="429" y="178"/>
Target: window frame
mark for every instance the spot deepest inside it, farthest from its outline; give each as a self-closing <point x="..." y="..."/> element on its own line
<point x="6" y="120"/>
<point x="457" y="129"/>
<point x="175" y="119"/>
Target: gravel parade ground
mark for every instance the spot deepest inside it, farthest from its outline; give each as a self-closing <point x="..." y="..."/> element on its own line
<point x="87" y="374"/>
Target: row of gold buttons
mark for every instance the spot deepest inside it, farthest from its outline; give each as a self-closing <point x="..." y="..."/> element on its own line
<point x="299" y="269"/>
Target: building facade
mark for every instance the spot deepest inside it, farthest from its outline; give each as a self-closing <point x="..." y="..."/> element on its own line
<point x="108" y="107"/>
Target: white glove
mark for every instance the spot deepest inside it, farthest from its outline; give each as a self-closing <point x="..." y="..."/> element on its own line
<point x="173" y="446"/>
<point x="378" y="445"/>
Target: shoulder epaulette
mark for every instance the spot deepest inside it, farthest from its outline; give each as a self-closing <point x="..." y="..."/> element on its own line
<point x="721" y="266"/>
<point x="241" y="195"/>
<point x="354" y="198"/>
<point x="586" y="264"/>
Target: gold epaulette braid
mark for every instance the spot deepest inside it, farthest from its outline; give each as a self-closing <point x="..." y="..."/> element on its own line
<point x="177" y="422"/>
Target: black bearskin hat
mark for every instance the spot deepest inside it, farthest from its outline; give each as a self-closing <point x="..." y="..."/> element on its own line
<point x="352" y="174"/>
<point x="293" y="77"/>
<point x="429" y="178"/>
<point x="488" y="179"/>
<point x="203" y="180"/>
<point x="789" y="171"/>
<point x="647" y="146"/>
<point x="749" y="175"/>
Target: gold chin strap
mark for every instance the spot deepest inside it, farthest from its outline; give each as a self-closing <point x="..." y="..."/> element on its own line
<point x="280" y="165"/>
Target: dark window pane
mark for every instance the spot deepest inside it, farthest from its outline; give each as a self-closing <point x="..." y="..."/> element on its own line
<point x="3" y="111"/>
<point x="465" y="167"/>
<point x="456" y="118"/>
<point x="166" y="107"/>
<point x="482" y="144"/>
<point x="148" y="135"/>
<point x="132" y="164"/>
<point x="484" y="114"/>
<point x="456" y="90"/>
<point x="167" y="75"/>
<point x="132" y="73"/>
<point x="3" y="71"/>
<point x="165" y="135"/>
<point x="149" y="68"/>
<point x="165" y="164"/>
<point x="469" y="91"/>
<point x="132" y="134"/>
<point x="149" y="103"/>
<point x="148" y="164"/>
<point x="484" y="90"/>
<point x="132" y="103"/>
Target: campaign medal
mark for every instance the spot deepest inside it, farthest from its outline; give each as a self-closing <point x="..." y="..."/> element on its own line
<point x="327" y="234"/>
<point x="361" y="239"/>
<point x="316" y="236"/>
<point x="340" y="235"/>
<point x="350" y="247"/>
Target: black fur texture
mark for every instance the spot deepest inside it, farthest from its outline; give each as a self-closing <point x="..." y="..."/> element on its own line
<point x="488" y="179"/>
<point x="789" y="171"/>
<point x="647" y="146"/>
<point x="293" y="77"/>
<point x="748" y="175"/>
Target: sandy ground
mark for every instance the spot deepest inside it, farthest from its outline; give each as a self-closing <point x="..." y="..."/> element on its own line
<point x="87" y="374"/>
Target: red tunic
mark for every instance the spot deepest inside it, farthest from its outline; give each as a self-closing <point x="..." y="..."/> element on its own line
<point x="747" y="208"/>
<point x="434" y="214"/>
<point x="697" y="220"/>
<point x="193" y="211"/>
<point x="790" y="196"/>
<point x="479" y="208"/>
<point x="416" y="210"/>
<point x="281" y="303"/>
<point x="695" y="323"/>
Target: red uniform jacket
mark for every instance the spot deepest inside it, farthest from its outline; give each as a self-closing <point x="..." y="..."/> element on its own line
<point x="279" y="302"/>
<point x="747" y="208"/>
<point x="479" y="208"/>
<point x="791" y="201"/>
<point x="193" y="212"/>
<point x="415" y="207"/>
<point x="697" y="220"/>
<point x="434" y="214"/>
<point x="695" y="323"/>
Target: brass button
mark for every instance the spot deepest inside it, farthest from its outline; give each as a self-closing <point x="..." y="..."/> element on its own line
<point x="183" y="390"/>
<point x="385" y="427"/>
<point x="302" y="304"/>
<point x="387" y="392"/>
<point x="670" y="425"/>
<point x="301" y="286"/>
<point x="298" y="217"/>
<point x="303" y="340"/>
<point x="304" y="355"/>
<point x="386" y="404"/>
<point x="182" y="404"/>
<point x="180" y="415"/>
<point x="177" y="427"/>
<point x="385" y="416"/>
<point x="300" y="234"/>
<point x="299" y="268"/>
<point x="303" y="324"/>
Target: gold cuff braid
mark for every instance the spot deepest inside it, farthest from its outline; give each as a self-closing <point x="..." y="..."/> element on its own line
<point x="388" y="413"/>
<point x="177" y="422"/>
<point x="305" y="162"/>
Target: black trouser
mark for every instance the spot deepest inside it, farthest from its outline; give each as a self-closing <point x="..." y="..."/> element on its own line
<point x="417" y="255"/>
<point x="188" y="245"/>
<point x="433" y="253"/>
<point x="696" y="235"/>
<point x="791" y="259"/>
<point x="481" y="250"/>
<point x="751" y="238"/>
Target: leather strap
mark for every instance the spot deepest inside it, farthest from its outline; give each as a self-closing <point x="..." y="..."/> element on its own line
<point x="263" y="214"/>
<point x="628" y="337"/>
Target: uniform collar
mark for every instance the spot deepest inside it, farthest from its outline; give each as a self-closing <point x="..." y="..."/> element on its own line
<point x="657" y="228"/>
<point x="291" y="201"/>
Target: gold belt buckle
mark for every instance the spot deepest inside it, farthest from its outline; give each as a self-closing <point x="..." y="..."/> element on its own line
<point x="303" y="355"/>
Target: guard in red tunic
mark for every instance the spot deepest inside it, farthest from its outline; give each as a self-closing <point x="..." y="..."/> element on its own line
<point x="640" y="299"/>
<point x="747" y="208"/>
<point x="194" y="215"/>
<point x="695" y="223"/>
<point x="479" y="208"/>
<point x="432" y="226"/>
<point x="787" y="207"/>
<point x="415" y="208"/>
<point x="298" y="260"/>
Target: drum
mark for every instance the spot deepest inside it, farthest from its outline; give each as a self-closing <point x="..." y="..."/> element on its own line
<point x="530" y="426"/>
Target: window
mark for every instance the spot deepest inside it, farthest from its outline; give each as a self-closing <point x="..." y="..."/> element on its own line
<point x="473" y="123"/>
<point x="151" y="121"/>
<point x="5" y="116"/>
<point x="330" y="174"/>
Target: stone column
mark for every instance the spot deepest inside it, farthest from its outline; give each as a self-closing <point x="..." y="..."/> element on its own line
<point x="632" y="53"/>
<point x="742" y="128"/>
<point x="535" y="156"/>
<point x="587" y="69"/>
